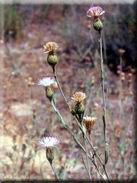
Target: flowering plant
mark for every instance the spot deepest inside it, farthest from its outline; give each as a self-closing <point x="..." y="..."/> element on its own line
<point x="76" y="107"/>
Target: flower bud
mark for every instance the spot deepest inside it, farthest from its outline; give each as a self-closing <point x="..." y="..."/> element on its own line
<point x="52" y="59"/>
<point x="98" y="25"/>
<point x="50" y="154"/>
<point x="49" y="93"/>
<point x="79" y="108"/>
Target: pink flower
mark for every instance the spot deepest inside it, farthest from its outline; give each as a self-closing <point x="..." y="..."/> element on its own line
<point x="95" y="11"/>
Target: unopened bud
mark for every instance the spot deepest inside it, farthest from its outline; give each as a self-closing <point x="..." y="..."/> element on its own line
<point x="50" y="154"/>
<point x="98" y="25"/>
<point x="79" y="108"/>
<point x="52" y="59"/>
<point x="49" y="93"/>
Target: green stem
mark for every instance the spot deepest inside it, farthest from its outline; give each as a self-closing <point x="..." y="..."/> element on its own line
<point x="54" y="171"/>
<point x="104" y="101"/>
<point x="55" y="76"/>
<point x="71" y="133"/>
<point x="87" y="160"/>
<point x="94" y="151"/>
<point x="58" y="83"/>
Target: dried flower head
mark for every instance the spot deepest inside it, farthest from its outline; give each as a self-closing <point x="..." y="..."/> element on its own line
<point x="50" y="46"/>
<point x="50" y="154"/>
<point x="89" y="119"/>
<point x="89" y="122"/>
<point x="46" y="81"/>
<point x="78" y="97"/>
<point x="95" y="11"/>
<point x="49" y="142"/>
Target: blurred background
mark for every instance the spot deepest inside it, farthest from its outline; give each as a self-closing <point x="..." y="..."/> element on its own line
<point x="25" y="112"/>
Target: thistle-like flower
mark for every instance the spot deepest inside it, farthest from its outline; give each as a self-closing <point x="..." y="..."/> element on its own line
<point x="50" y="47"/>
<point x="78" y="97"/>
<point x="46" y="81"/>
<point x="95" y="12"/>
<point x="89" y="122"/>
<point x="89" y="119"/>
<point x="48" y="142"/>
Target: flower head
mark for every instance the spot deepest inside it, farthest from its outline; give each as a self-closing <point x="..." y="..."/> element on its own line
<point x="89" y="122"/>
<point x="50" y="46"/>
<point x="95" y="11"/>
<point x="89" y="119"/>
<point x="79" y="97"/>
<point x="46" y="81"/>
<point x="48" y="141"/>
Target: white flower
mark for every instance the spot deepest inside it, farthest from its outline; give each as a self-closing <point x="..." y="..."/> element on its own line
<point x="46" y="81"/>
<point x="48" y="141"/>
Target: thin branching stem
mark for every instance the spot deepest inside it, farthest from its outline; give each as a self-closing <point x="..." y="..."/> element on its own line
<point x="59" y="85"/>
<point x="54" y="171"/>
<point x="73" y="135"/>
<point x="94" y="151"/>
<point x="55" y="76"/>
<point x="104" y="101"/>
<point x="85" y="164"/>
<point x="87" y="160"/>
